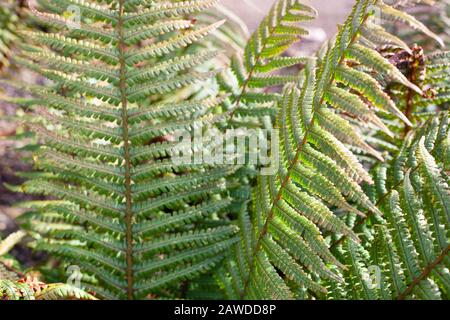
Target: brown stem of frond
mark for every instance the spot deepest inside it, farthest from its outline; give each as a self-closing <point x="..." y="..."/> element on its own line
<point x="425" y="273"/>
<point x="416" y="67"/>
<point x="409" y="102"/>
<point x="127" y="158"/>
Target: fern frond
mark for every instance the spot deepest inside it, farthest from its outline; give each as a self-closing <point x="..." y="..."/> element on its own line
<point x="109" y="130"/>
<point x="10" y="290"/>
<point x="33" y="290"/>
<point x="409" y="245"/>
<point x="262" y="57"/>
<point x="390" y="13"/>
<point x="63" y="292"/>
<point x="316" y="169"/>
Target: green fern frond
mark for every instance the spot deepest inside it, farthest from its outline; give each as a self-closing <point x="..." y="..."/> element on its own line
<point x="10" y="290"/>
<point x="438" y="94"/>
<point x="317" y="170"/>
<point x="262" y="57"/>
<point x="408" y="247"/>
<point x="133" y="218"/>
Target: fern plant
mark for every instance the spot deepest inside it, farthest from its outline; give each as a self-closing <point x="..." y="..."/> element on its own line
<point x="128" y="215"/>
<point x="282" y="251"/>
<point x="126" y="77"/>
<point x="407" y="249"/>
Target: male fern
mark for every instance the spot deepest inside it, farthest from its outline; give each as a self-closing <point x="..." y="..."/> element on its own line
<point x="128" y="214"/>
<point x="283" y="249"/>
<point x="409" y="245"/>
<point x="357" y="185"/>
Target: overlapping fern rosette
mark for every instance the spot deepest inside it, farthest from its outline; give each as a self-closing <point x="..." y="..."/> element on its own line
<point x="124" y="212"/>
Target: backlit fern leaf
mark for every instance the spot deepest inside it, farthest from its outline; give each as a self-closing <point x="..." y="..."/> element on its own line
<point x="251" y="74"/>
<point x="407" y="250"/>
<point x="282" y="244"/>
<point x="134" y="219"/>
<point x="437" y="69"/>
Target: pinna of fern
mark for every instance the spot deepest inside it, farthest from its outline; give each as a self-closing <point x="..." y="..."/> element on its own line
<point x="437" y="82"/>
<point x="232" y="35"/>
<point x="282" y="251"/>
<point x="426" y="70"/>
<point x="29" y="288"/>
<point x="434" y="14"/>
<point x="405" y="254"/>
<point x="123" y="210"/>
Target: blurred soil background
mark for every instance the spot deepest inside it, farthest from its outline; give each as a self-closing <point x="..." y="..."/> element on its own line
<point x="12" y="160"/>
